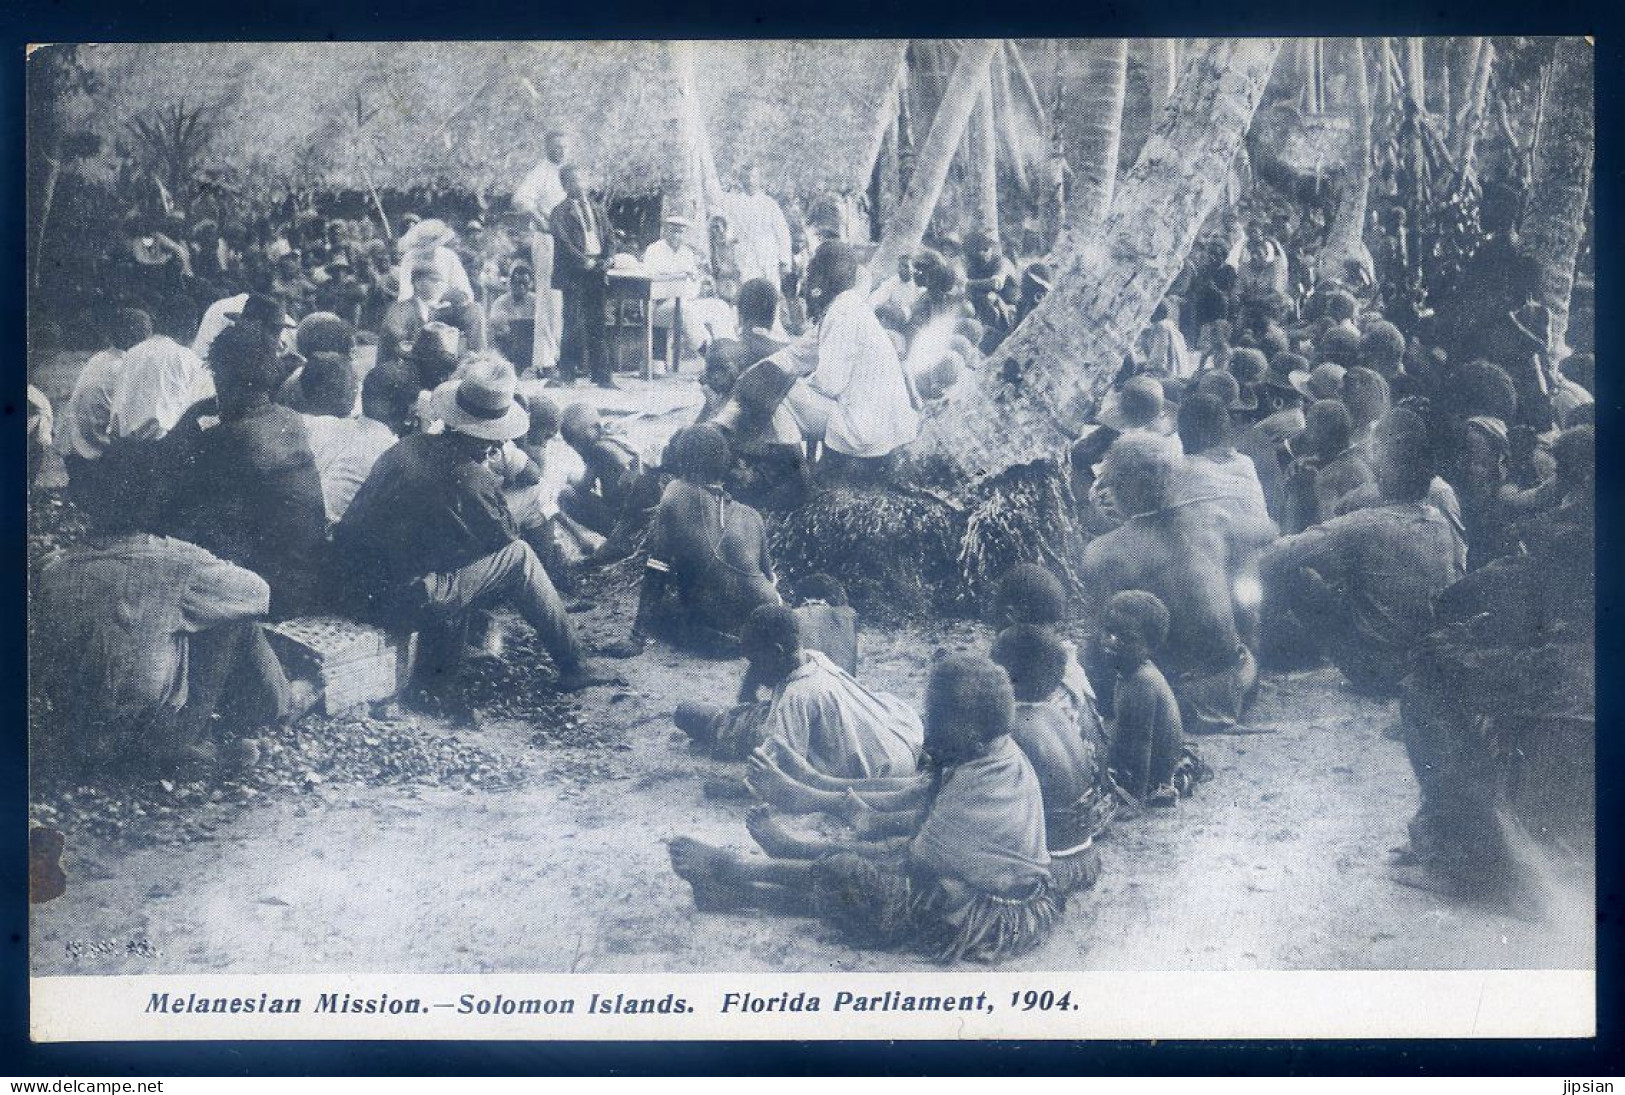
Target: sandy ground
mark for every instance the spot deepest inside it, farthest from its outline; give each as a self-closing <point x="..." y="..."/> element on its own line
<point x="1281" y="862"/>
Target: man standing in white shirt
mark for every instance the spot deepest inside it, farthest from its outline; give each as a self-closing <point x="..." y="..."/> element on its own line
<point x="853" y="393"/>
<point x="761" y="234"/>
<point x="537" y="196"/>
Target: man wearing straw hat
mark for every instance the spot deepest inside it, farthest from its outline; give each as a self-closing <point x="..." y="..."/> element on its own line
<point x="429" y="536"/>
<point x="537" y="196"/>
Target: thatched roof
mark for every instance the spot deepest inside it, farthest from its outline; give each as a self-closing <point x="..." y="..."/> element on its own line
<point x="801" y="111"/>
<point x="473" y="115"/>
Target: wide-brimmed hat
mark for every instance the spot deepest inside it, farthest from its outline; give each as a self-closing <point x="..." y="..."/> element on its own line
<point x="1279" y="374"/>
<point x="481" y="403"/>
<point x="264" y="310"/>
<point x="1138" y="404"/>
<point x="1324" y="381"/>
<point x="681" y="222"/>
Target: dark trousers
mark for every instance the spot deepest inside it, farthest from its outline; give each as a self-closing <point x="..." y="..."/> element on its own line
<point x="585" y="346"/>
<point x="513" y="576"/>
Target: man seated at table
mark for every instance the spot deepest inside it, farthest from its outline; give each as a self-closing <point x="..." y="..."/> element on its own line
<point x="669" y="257"/>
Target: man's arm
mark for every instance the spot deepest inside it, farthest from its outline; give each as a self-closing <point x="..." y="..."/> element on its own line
<point x="781" y="236"/>
<point x="1316" y="547"/>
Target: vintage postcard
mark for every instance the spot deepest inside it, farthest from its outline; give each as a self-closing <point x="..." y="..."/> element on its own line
<point x="812" y="539"/>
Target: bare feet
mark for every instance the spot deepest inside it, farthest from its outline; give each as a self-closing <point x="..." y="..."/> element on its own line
<point x="773" y="838"/>
<point x="709" y="871"/>
<point x="773" y="786"/>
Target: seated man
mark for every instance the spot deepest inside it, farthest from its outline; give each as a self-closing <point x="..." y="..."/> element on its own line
<point x="770" y="463"/>
<point x="1212" y="470"/>
<point x="612" y="468"/>
<point x="84" y="429"/>
<point x="669" y="256"/>
<point x="429" y="536"/>
<point x="1075" y="811"/>
<point x="512" y="322"/>
<point x="1363" y="584"/>
<point x="1192" y="558"/>
<point x="1325" y="466"/>
<point x="346" y="446"/>
<point x="708" y="549"/>
<point x="852" y="392"/>
<point x="143" y="640"/>
<point x="247" y="487"/>
<point x="828" y="624"/>
<point x="829" y="721"/>
<point x="972" y="879"/>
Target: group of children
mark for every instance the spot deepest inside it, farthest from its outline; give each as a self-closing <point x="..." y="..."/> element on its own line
<point x="969" y="827"/>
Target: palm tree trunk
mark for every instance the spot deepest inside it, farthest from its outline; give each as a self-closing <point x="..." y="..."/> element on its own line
<point x="907" y="227"/>
<point x="1345" y="239"/>
<point x="47" y="199"/>
<point x="1162" y="71"/>
<point x="1093" y="132"/>
<point x="1036" y="393"/>
<point x="1477" y="106"/>
<point x="1555" y="222"/>
<point x="982" y="161"/>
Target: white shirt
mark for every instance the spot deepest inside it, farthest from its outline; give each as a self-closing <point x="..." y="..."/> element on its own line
<point x="449" y="265"/>
<point x="659" y="258"/>
<point x="89" y="410"/>
<point x="345" y="450"/>
<point x="894" y="290"/>
<point x="159" y="381"/>
<point x="849" y="358"/>
<point x="761" y="233"/>
<point x="214" y="321"/>
<point x="540" y="192"/>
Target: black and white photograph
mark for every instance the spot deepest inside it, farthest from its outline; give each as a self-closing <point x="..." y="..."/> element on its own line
<point x="874" y="536"/>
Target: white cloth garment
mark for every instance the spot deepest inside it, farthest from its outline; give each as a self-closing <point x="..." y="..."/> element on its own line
<point x="449" y="265"/>
<point x="345" y="450"/>
<point x="159" y="381"/>
<point x="852" y="394"/>
<point x="538" y="195"/>
<point x="83" y="431"/>
<point x="214" y="321"/>
<point x="761" y="235"/>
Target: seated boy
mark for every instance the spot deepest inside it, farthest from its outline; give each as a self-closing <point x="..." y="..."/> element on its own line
<point x="973" y="882"/>
<point x="612" y="466"/>
<point x="1029" y="594"/>
<point x="828" y="624"/>
<point x="1074" y="810"/>
<point x="1147" y="737"/>
<point x="830" y="722"/>
<point x="708" y="549"/>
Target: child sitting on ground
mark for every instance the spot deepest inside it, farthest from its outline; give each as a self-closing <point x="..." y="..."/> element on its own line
<point x="1029" y="594"/>
<point x="828" y="624"/>
<point x="1075" y="808"/>
<point x="1148" y="759"/>
<point x="833" y="724"/>
<point x="972" y="883"/>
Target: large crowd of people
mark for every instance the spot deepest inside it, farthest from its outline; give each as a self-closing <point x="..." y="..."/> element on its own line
<point x="332" y="422"/>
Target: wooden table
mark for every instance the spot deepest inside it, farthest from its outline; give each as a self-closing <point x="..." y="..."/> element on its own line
<point x="648" y="291"/>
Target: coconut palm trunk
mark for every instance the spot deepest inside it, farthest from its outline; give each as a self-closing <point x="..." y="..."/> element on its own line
<point x="1555" y="221"/>
<point x="906" y="229"/>
<point x="1478" y="94"/>
<point x="1345" y="239"/>
<point x="1036" y="393"/>
<point x="982" y="162"/>
<point x="1092" y="129"/>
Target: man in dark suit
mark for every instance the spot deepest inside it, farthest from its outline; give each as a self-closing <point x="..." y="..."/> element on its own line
<point x="582" y="239"/>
